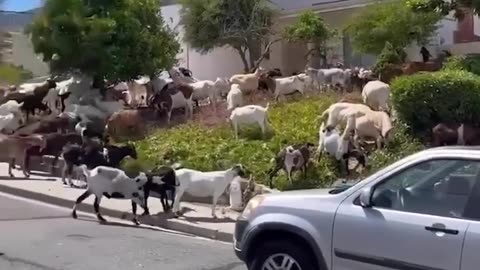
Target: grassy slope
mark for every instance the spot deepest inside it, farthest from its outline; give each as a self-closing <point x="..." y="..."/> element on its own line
<point x="216" y="149"/>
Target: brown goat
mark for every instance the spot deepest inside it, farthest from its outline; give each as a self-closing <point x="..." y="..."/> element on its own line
<point x="14" y="148"/>
<point x="455" y="134"/>
<point x="127" y="123"/>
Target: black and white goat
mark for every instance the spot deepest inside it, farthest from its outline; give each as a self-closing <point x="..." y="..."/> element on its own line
<point x="205" y="184"/>
<point x="291" y="158"/>
<point x="160" y="181"/>
<point x="113" y="184"/>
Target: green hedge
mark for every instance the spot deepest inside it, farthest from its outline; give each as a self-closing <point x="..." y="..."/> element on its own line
<point x="469" y="63"/>
<point x="423" y="100"/>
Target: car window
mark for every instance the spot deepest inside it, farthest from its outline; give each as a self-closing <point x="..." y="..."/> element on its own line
<point x="436" y="187"/>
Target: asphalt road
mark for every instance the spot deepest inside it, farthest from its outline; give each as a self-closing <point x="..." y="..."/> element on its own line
<point x="35" y="236"/>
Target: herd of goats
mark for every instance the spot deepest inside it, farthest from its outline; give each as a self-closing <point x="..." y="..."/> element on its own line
<point x="77" y="121"/>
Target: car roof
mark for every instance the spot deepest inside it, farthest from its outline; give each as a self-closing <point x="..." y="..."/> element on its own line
<point x="467" y="151"/>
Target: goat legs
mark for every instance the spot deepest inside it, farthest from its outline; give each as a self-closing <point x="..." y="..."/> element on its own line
<point x="134" y="212"/>
<point x="54" y="162"/>
<point x="176" y="204"/>
<point x="146" y="212"/>
<point x="216" y="196"/>
<point x="79" y="200"/>
<point x="10" y="165"/>
<point x="96" y="208"/>
<point x="25" y="169"/>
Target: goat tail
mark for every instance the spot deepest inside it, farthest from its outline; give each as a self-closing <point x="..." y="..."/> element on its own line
<point x="268" y="106"/>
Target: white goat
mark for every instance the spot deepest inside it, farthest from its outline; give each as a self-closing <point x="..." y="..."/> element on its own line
<point x="250" y="114"/>
<point x="62" y="88"/>
<point x="338" y="113"/>
<point x="205" y="89"/>
<point x="204" y="184"/>
<point x="222" y="86"/>
<point x="330" y="76"/>
<point x="247" y="82"/>
<point x="288" y="85"/>
<point x="112" y="183"/>
<point x="234" y="97"/>
<point x="375" y="125"/>
<point x="11" y="106"/>
<point x="9" y="122"/>
<point x="376" y="94"/>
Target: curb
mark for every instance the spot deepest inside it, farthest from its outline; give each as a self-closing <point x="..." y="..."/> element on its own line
<point x="152" y="220"/>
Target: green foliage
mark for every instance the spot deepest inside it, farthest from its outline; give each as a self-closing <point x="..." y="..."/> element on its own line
<point x="240" y="24"/>
<point x="13" y="74"/>
<point x="444" y="7"/>
<point x="389" y="56"/>
<point x="117" y="39"/>
<point x="393" y="22"/>
<point x="402" y="145"/>
<point x="423" y="100"/>
<point x="206" y="149"/>
<point x="309" y="27"/>
<point x="469" y="63"/>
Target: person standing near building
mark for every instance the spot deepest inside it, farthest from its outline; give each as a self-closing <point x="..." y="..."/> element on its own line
<point x="425" y="54"/>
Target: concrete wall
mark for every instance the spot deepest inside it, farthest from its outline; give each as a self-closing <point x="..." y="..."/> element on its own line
<point x="220" y="62"/>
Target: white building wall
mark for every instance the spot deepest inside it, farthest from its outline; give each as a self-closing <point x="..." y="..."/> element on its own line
<point x="442" y="39"/>
<point x="220" y="62"/>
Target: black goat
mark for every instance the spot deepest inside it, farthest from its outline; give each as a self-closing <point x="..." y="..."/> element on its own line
<point x="93" y="155"/>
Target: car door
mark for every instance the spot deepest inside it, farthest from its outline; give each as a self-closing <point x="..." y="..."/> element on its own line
<point x="414" y="222"/>
<point x="470" y="259"/>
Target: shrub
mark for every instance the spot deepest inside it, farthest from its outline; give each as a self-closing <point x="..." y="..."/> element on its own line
<point x="469" y="63"/>
<point x="389" y="56"/>
<point x="203" y="148"/>
<point x="423" y="100"/>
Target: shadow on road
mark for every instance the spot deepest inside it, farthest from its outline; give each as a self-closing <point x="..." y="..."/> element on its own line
<point x="125" y="225"/>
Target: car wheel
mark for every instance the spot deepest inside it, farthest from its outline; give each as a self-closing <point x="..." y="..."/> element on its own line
<point x="282" y="255"/>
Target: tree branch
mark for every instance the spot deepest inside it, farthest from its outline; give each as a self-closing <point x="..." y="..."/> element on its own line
<point x="266" y="52"/>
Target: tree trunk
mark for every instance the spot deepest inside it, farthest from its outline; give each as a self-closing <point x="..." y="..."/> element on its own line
<point x="314" y="56"/>
<point x="254" y="53"/>
<point x="242" y="53"/>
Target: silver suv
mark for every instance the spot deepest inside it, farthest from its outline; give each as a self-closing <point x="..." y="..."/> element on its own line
<point x="422" y="212"/>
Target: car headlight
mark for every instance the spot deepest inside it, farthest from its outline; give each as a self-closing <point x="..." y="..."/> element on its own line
<point x="251" y="206"/>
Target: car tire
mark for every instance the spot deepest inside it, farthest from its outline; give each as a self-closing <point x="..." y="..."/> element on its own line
<point x="276" y="249"/>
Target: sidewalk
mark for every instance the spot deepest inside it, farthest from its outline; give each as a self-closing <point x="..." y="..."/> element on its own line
<point x="197" y="219"/>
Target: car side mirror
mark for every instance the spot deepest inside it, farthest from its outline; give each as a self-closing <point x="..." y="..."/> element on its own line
<point x="366" y="197"/>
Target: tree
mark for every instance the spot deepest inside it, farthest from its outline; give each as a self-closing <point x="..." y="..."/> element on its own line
<point x="444" y="7"/>
<point x="244" y="25"/>
<point x="310" y="28"/>
<point x="394" y="22"/>
<point x="119" y="39"/>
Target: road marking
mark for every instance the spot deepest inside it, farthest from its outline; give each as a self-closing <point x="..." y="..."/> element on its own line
<point x="86" y="214"/>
